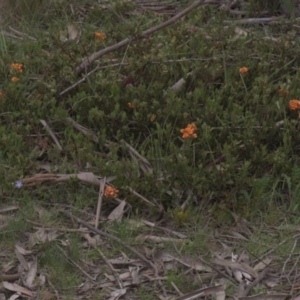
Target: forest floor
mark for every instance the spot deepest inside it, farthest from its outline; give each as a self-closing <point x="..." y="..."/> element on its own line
<point x="149" y="150"/>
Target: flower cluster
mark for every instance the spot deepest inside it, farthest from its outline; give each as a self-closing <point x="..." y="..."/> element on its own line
<point x="152" y="118"/>
<point x="15" y="79"/>
<point x="132" y="106"/>
<point x="283" y="92"/>
<point x="294" y="104"/>
<point x="100" y="36"/>
<point x="18" y="67"/>
<point x="189" y="131"/>
<point x="111" y="192"/>
<point x="243" y="70"/>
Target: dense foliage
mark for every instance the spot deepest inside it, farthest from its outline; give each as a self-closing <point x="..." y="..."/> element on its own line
<point x="245" y="156"/>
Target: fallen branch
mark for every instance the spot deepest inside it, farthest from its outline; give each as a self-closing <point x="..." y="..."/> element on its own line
<point x="73" y="86"/>
<point x="100" y="196"/>
<point x="254" y="21"/>
<point x="88" y="61"/>
<point x="71" y="261"/>
<point x="9" y="277"/>
<point x="112" y="269"/>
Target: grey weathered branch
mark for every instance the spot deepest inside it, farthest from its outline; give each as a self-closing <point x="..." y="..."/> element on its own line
<point x="87" y="61"/>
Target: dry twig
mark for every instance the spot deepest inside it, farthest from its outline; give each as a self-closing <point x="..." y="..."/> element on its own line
<point x="88" y="61"/>
<point x="75" y="264"/>
<point x="100" y="196"/>
<point x="73" y="86"/>
<point x="116" y="275"/>
<point x="52" y="134"/>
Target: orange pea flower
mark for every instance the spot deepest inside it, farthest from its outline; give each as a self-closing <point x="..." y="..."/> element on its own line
<point x="243" y="70"/>
<point x="111" y="192"/>
<point x="283" y="92"/>
<point x="17" y="67"/>
<point x="100" y="36"/>
<point x="189" y="131"/>
<point x="294" y="104"/>
<point x="15" y="79"/>
<point x="152" y="118"/>
<point x="132" y="106"/>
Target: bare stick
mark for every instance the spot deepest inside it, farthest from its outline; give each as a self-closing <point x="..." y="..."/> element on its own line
<point x="22" y="34"/>
<point x="75" y="264"/>
<point x="140" y="196"/>
<point x="86" y="62"/>
<point x="100" y="196"/>
<point x="116" y="275"/>
<point x="52" y="134"/>
<point x="253" y="21"/>
<point x="290" y="255"/>
<point x="9" y="277"/>
<point x="68" y="89"/>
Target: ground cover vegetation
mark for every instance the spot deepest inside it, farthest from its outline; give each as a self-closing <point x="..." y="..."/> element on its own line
<point x="182" y="142"/>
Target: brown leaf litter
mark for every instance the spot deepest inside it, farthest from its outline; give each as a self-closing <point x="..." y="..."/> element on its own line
<point x="148" y="267"/>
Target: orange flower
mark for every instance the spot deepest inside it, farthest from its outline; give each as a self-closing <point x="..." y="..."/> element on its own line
<point x="294" y="104"/>
<point x="17" y="67"/>
<point x="15" y="79"/>
<point x="132" y="106"/>
<point x="1" y="94"/>
<point x="243" y="70"/>
<point x="111" y="192"/>
<point x="283" y="92"/>
<point x="100" y="36"/>
<point x="189" y="131"/>
<point x="152" y="118"/>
